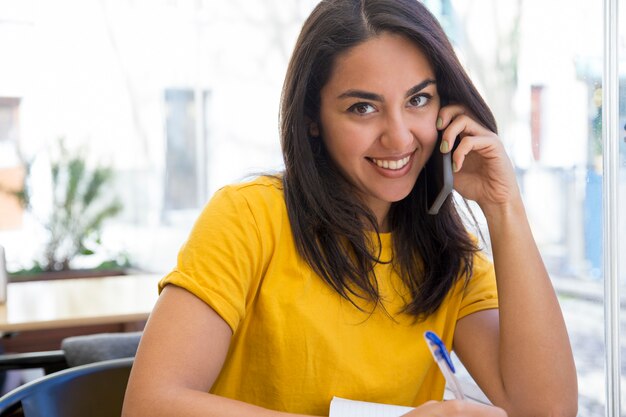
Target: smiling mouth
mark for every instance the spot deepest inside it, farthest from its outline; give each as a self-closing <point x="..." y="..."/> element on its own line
<point x="391" y="164"/>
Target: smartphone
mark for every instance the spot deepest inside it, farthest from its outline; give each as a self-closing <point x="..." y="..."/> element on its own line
<point x="442" y="167"/>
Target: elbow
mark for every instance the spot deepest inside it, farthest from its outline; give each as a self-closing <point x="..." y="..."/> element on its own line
<point x="563" y="408"/>
<point x="569" y="409"/>
<point x="566" y="406"/>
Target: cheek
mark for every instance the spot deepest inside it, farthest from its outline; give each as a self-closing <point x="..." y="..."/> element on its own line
<point x="345" y="139"/>
<point x="428" y="134"/>
<point x="345" y="147"/>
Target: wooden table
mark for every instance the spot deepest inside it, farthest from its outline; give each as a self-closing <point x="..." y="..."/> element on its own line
<point x="39" y="314"/>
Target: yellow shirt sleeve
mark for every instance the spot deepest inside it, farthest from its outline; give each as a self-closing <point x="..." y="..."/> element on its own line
<point x="480" y="292"/>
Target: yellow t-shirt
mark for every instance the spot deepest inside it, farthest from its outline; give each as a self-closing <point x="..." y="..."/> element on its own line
<point x="296" y="343"/>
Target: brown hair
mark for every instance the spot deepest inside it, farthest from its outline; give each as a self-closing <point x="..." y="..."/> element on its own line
<point x="329" y="222"/>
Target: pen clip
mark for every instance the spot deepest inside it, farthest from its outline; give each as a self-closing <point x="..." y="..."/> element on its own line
<point x="444" y="362"/>
<point x="438" y="348"/>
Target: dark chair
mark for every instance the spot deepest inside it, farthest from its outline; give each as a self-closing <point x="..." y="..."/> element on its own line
<point x="50" y="361"/>
<point x="94" y="390"/>
<point x="75" y="350"/>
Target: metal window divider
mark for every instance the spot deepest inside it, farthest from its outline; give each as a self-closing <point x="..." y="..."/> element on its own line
<point x="610" y="165"/>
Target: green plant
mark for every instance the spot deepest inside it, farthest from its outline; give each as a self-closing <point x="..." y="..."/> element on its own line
<point x="81" y="203"/>
<point x="21" y="194"/>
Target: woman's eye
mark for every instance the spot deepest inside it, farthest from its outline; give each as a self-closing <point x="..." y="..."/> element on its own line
<point x="362" y="108"/>
<point x="419" y="100"/>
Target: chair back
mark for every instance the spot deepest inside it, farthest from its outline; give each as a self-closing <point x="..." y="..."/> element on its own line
<point x="83" y="349"/>
<point x="95" y="390"/>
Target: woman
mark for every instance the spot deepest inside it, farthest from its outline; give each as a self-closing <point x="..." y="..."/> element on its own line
<point x="320" y="282"/>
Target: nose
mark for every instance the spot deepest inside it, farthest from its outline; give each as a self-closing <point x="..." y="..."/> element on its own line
<point x="397" y="135"/>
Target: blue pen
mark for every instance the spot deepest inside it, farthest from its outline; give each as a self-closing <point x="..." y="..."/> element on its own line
<point x="442" y="357"/>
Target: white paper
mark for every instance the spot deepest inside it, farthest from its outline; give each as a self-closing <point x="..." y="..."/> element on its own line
<point x="341" y="407"/>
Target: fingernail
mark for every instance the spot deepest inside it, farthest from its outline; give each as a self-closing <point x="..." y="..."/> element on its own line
<point x="454" y="167"/>
<point x="439" y="122"/>
<point x="444" y="148"/>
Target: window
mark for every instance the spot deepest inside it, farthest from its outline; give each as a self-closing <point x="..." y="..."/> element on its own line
<point x="11" y="167"/>
<point x="9" y="117"/>
<point x="543" y="76"/>
<point x="186" y="136"/>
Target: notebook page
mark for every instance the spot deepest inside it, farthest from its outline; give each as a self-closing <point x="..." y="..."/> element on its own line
<point x="341" y="407"/>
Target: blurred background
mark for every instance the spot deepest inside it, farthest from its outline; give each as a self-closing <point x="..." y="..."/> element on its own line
<point x="131" y="114"/>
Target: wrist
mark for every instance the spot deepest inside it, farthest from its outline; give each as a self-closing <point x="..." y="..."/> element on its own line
<point x="504" y="212"/>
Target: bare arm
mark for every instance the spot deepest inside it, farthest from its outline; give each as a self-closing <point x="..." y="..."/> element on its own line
<point x="521" y="355"/>
<point x="182" y="351"/>
<point x="535" y="373"/>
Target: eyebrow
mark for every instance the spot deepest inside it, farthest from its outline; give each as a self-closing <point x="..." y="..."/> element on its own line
<point x="366" y="95"/>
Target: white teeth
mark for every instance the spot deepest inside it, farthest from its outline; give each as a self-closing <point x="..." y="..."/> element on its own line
<point x="395" y="165"/>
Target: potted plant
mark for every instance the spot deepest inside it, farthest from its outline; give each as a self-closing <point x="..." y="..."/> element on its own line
<point x="81" y="203"/>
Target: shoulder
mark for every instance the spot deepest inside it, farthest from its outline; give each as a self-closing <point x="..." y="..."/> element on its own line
<point x="261" y="200"/>
<point x="482" y="262"/>
<point x="243" y="215"/>
<point x="483" y="277"/>
<point x="263" y="188"/>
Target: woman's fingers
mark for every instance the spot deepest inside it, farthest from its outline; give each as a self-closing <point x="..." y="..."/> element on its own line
<point x="457" y="123"/>
<point x="456" y="408"/>
<point x="486" y="146"/>
<point x="449" y="112"/>
<point x="485" y="173"/>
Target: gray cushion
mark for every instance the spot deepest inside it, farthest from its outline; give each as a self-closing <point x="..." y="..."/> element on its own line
<point x="80" y="350"/>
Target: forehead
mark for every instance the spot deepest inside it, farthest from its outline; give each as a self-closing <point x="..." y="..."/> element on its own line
<point x="381" y="62"/>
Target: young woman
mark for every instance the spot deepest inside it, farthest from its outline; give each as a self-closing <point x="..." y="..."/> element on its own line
<point x="321" y="282"/>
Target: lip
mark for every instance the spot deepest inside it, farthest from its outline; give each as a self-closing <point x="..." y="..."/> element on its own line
<point x="393" y="173"/>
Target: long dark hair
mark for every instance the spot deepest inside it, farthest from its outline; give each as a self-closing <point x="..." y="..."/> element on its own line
<point x="329" y="221"/>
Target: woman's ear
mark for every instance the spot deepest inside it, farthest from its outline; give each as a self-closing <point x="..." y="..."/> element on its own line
<point x="314" y="130"/>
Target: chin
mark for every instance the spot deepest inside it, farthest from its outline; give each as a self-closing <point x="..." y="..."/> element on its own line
<point x="394" y="195"/>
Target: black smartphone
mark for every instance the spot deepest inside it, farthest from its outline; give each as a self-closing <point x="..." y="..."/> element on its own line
<point x="442" y="169"/>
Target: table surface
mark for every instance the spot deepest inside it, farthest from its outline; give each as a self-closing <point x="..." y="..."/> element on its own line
<point x="53" y="304"/>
